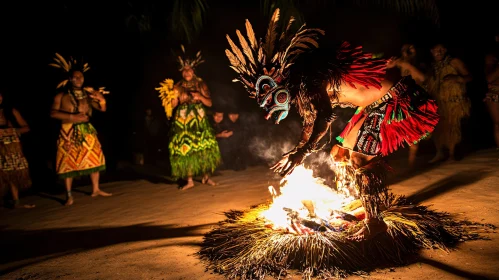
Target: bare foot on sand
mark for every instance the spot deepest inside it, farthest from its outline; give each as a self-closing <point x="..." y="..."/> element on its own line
<point x="69" y="201"/>
<point x="208" y="181"/>
<point x="437" y="158"/>
<point x="24" y="206"/>
<point x="100" y="193"/>
<point x="370" y="229"/>
<point x="187" y="186"/>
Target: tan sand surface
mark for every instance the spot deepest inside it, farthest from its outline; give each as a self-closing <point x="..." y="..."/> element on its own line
<point x="151" y="230"/>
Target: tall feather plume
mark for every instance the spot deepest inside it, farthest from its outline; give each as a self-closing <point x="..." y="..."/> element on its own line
<point x="236" y="51"/>
<point x="183" y="60"/>
<point x="271" y="55"/>
<point x="271" y="34"/>
<point x="66" y="65"/>
<point x="303" y="40"/>
<point x="285" y="35"/>
<point x="232" y="58"/>
<point x="261" y="56"/>
<point x="246" y="48"/>
<point x="63" y="62"/>
<point x="251" y="35"/>
<point x="63" y="83"/>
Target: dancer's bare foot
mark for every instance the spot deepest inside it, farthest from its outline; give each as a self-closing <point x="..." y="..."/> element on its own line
<point x="371" y="228"/>
<point x="187" y="186"/>
<point x="24" y="206"/>
<point x="69" y="201"/>
<point x="100" y="193"/>
<point x="452" y="159"/>
<point x="208" y="181"/>
<point x="437" y="158"/>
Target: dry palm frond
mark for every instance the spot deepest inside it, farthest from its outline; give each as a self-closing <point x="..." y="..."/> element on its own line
<point x="243" y="247"/>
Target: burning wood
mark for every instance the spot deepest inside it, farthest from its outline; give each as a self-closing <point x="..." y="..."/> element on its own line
<point x="306" y="227"/>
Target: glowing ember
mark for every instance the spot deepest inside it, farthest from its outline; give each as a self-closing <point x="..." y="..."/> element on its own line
<point x="307" y="205"/>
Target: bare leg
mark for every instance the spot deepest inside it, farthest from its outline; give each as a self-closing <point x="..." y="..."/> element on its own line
<point x="206" y="180"/>
<point x="15" y="197"/>
<point x="68" y="182"/>
<point x="190" y="184"/>
<point x="413" y="151"/>
<point x="452" y="149"/>
<point x="370" y="182"/>
<point x="372" y="227"/>
<point x="493" y="108"/>
<point x="438" y="137"/>
<point x="96" y="191"/>
<point x="496" y="134"/>
<point x="440" y="154"/>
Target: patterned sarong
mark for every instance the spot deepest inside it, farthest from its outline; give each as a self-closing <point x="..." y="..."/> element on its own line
<point x="193" y="147"/>
<point x="79" y="151"/>
<point x="13" y="165"/>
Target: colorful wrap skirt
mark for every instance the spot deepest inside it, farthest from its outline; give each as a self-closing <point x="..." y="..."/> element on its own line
<point x="79" y="151"/>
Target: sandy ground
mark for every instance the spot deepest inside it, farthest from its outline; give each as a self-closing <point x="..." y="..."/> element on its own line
<point x="151" y="230"/>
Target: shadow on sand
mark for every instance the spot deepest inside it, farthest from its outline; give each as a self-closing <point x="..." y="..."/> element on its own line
<point x="447" y="184"/>
<point x="45" y="244"/>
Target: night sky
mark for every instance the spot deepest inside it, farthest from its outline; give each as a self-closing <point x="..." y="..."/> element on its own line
<point x="130" y="64"/>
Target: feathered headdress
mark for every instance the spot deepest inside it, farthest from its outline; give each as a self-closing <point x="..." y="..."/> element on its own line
<point x="185" y="61"/>
<point x="274" y="57"/>
<point x="271" y="57"/>
<point x="67" y="66"/>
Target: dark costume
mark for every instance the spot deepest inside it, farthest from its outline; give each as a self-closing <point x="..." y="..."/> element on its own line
<point x="273" y="73"/>
<point x="291" y="69"/>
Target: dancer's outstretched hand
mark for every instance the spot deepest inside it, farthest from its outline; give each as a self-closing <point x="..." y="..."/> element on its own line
<point x="288" y="163"/>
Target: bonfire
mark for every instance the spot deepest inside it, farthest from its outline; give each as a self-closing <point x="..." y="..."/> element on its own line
<point x="306" y="226"/>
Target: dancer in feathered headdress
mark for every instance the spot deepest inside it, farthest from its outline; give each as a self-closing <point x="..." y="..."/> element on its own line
<point x="193" y="147"/>
<point x="290" y="69"/>
<point x="79" y="151"/>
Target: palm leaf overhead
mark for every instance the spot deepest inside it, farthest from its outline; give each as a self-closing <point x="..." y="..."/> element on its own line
<point x="428" y="8"/>
<point x="183" y="18"/>
<point x="187" y="17"/>
<point x="139" y="17"/>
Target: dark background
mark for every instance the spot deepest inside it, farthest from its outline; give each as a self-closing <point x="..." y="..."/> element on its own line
<point x="131" y="64"/>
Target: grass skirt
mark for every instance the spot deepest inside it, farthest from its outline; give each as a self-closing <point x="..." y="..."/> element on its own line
<point x="193" y="147"/>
